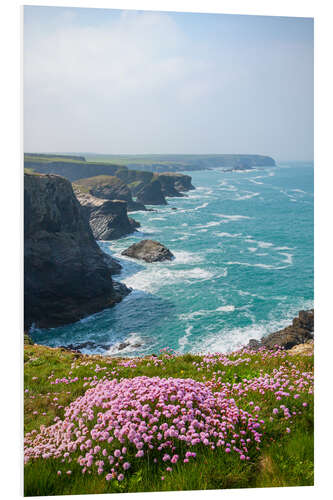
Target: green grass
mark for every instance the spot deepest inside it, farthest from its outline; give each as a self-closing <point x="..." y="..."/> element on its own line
<point x="283" y="459"/>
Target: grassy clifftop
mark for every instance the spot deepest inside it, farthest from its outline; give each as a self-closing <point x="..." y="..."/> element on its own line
<point x="99" y="424"/>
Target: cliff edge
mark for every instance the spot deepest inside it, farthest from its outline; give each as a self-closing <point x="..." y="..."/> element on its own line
<point x="66" y="276"/>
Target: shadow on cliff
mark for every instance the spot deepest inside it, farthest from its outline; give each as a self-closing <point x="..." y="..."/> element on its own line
<point x="136" y="322"/>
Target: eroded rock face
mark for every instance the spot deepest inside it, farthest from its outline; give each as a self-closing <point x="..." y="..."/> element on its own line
<point x="109" y="187"/>
<point x="108" y="219"/>
<point x="65" y="275"/>
<point x="151" y="194"/>
<point x="300" y="331"/>
<point x="149" y="251"/>
<point x="173" y="184"/>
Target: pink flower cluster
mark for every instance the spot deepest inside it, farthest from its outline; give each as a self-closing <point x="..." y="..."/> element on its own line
<point x="114" y="424"/>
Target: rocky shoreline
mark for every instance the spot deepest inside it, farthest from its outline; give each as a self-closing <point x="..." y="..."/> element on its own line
<point x="300" y="331"/>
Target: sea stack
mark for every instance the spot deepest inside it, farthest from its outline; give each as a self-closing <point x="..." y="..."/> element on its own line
<point x="149" y="251"/>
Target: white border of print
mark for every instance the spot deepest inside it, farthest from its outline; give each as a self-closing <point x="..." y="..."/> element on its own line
<point x="12" y="231"/>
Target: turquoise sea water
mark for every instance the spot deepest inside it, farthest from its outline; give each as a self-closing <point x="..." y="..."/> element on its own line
<point x="243" y="267"/>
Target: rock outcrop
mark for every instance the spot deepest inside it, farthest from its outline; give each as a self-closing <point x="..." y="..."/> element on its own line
<point x="149" y="251"/>
<point x="65" y="274"/>
<point x="109" y="187"/>
<point x="174" y="184"/>
<point x="108" y="219"/>
<point x="151" y="194"/>
<point x="299" y="332"/>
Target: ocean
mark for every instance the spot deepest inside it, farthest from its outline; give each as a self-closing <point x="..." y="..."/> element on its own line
<point x="243" y="267"/>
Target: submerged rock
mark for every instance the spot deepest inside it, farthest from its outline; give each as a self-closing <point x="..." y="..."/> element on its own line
<point x="300" y="331"/>
<point x="149" y="251"/>
<point x="65" y="274"/>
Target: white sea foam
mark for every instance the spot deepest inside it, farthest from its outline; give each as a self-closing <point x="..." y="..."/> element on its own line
<point x="196" y="315"/>
<point x="227" y="308"/>
<point x="210" y="224"/>
<point x="228" y="235"/>
<point x="247" y="264"/>
<point x="284" y="248"/>
<point x="155" y="276"/>
<point x="204" y="205"/>
<point x="230" y="340"/>
<point x="247" y="196"/>
<point x="184" y="257"/>
<point x="228" y="218"/>
<point x="183" y="341"/>
<point x="134" y="340"/>
<point x="255" y="182"/>
<point x="298" y="191"/>
<point x="252" y="249"/>
<point x="288" y="258"/>
<point x="224" y="186"/>
<point x="147" y="230"/>
<point x="264" y="244"/>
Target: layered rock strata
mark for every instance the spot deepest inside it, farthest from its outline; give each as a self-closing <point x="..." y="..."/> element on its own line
<point x="108" y="219"/>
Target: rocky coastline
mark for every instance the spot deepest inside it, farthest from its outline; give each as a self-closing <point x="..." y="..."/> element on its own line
<point x="66" y="276"/>
<point x="301" y="331"/>
<point x="108" y="219"/>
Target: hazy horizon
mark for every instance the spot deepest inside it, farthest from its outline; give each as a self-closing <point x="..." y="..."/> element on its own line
<point x="147" y="83"/>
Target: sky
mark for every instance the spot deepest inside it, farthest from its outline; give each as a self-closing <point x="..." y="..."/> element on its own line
<point x="138" y="82"/>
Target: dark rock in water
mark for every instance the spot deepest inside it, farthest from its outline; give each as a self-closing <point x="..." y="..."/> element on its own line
<point x="299" y="332"/>
<point x="121" y="289"/>
<point x="123" y="345"/>
<point x="65" y="274"/>
<point x="151" y="194"/>
<point x="174" y="208"/>
<point x="149" y="251"/>
<point x="112" y="263"/>
<point x="85" y="345"/>
<point x="108" y="219"/>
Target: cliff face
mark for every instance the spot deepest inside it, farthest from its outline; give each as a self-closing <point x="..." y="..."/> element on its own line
<point x="173" y="184"/>
<point x="113" y="182"/>
<point x="108" y="219"/>
<point x="109" y="187"/>
<point x="151" y="194"/>
<point x="65" y="274"/>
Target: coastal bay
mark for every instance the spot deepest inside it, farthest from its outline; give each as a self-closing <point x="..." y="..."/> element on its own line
<point x="243" y="267"/>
